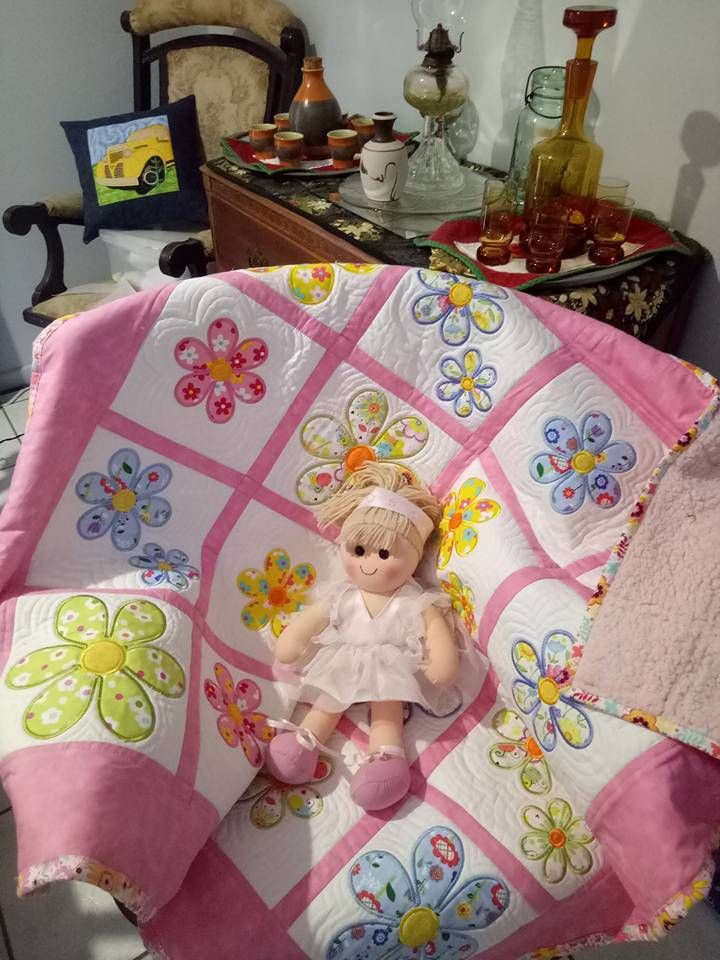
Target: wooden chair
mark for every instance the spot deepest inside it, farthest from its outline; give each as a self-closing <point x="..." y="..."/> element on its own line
<point x="235" y="78"/>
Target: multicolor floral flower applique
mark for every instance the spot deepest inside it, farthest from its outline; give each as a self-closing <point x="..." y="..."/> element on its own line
<point x="582" y="462"/>
<point x="311" y="283"/>
<point x="419" y="916"/>
<point x="557" y="838"/>
<point x="459" y="305"/>
<point x="520" y="751"/>
<point x="277" y="591"/>
<point x="239" y="721"/>
<point x="463" y="600"/>
<point x="273" y="799"/>
<point x="220" y="370"/>
<point x="466" y="383"/>
<point x="113" y="662"/>
<point x="158" y="567"/>
<point x="461" y="513"/>
<point x="542" y="690"/>
<point x="364" y="436"/>
<point x="122" y="499"/>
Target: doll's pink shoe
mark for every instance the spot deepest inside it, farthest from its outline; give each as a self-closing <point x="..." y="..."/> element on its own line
<point x="292" y="757"/>
<point x="382" y="780"/>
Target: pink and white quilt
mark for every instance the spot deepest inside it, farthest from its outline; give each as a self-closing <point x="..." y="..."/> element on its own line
<point x="160" y="532"/>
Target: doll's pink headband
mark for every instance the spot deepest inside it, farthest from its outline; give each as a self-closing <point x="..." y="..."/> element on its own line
<point x="387" y="500"/>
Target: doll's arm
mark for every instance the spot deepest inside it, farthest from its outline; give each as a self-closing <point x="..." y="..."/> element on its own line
<point x="441" y="653"/>
<point x="293" y="641"/>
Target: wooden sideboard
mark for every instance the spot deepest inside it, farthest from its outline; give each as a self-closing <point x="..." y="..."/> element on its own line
<point x="252" y="231"/>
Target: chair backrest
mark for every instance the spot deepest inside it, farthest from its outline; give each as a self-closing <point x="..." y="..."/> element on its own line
<point x="236" y="79"/>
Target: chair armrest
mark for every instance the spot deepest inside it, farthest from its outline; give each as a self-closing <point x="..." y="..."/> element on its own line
<point x="193" y="254"/>
<point x="46" y="216"/>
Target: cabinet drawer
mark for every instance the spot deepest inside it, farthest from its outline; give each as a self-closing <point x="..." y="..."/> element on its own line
<point x="251" y="231"/>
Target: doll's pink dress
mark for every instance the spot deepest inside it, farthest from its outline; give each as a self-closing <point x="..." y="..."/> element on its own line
<point x="358" y="658"/>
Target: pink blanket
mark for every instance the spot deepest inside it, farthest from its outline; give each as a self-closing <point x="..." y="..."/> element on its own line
<point x="160" y="531"/>
<point x="652" y="655"/>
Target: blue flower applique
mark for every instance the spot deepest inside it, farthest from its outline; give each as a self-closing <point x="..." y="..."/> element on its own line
<point x="419" y="916"/>
<point x="458" y="304"/>
<point x="122" y="499"/>
<point x="466" y="383"/>
<point x="158" y="567"/>
<point x="542" y="690"/>
<point x="582" y="462"/>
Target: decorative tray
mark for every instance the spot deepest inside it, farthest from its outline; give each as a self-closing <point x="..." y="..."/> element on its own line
<point x="238" y="149"/>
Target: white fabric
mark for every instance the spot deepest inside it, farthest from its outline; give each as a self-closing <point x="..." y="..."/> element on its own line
<point x="360" y="658"/>
<point x="388" y="500"/>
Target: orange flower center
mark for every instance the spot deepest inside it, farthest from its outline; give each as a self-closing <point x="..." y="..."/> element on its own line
<point x="219" y="369"/>
<point x="235" y="713"/>
<point x="455" y="521"/>
<point x="124" y="500"/>
<point x="358" y="456"/>
<point x="278" y="597"/>
<point x="533" y="748"/>
<point x="557" y="838"/>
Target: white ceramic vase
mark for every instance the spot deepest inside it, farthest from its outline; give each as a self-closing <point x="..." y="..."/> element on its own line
<point x="383" y="162"/>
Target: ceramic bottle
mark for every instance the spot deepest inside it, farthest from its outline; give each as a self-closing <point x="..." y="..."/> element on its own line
<point x="383" y="161"/>
<point x="314" y="110"/>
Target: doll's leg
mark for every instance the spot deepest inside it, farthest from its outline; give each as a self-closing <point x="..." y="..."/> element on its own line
<point x="384" y="778"/>
<point x="292" y="757"/>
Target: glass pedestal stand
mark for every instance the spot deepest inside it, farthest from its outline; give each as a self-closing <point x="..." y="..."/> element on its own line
<point x="433" y="170"/>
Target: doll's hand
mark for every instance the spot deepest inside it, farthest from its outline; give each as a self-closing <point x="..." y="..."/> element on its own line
<point x="441" y="654"/>
<point x="440" y="671"/>
<point x="295" y="638"/>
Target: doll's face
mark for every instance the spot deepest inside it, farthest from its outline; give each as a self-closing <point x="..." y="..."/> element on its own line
<point x="380" y="571"/>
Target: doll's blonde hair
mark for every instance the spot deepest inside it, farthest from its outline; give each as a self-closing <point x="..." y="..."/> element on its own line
<point x="377" y="528"/>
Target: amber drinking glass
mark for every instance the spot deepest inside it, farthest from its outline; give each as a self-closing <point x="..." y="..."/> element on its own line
<point x="546" y="237"/>
<point x="614" y="188"/>
<point x="610" y="225"/>
<point x="498" y="222"/>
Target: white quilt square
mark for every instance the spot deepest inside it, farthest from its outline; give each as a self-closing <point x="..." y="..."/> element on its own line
<point x="353" y="421"/>
<point x="121" y="498"/>
<point x="447" y="863"/>
<point x="465" y="343"/>
<point x="252" y="593"/>
<point x="577" y="458"/>
<point x="327" y="292"/>
<point x="217" y="373"/>
<point x="84" y="698"/>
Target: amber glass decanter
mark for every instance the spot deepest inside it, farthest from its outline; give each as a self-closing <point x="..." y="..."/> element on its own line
<point x="566" y="166"/>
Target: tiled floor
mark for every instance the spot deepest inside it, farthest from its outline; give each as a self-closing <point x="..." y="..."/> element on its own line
<point x="74" y="921"/>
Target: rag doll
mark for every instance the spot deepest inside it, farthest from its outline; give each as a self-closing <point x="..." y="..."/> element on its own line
<point x="378" y="637"/>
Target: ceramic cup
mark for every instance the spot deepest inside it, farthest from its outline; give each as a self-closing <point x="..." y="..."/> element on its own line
<point x="261" y="138"/>
<point x="343" y="147"/>
<point x="282" y="121"/>
<point x="289" y="147"/>
<point x="365" y="129"/>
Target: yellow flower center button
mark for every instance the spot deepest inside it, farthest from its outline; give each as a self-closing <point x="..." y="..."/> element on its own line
<point x="124" y="500"/>
<point x="103" y="657"/>
<point x="418" y="927"/>
<point x="583" y="462"/>
<point x="460" y="294"/>
<point x="467" y="383"/>
<point x="548" y="691"/>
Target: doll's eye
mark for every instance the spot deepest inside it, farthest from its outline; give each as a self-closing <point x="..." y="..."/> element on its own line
<point x="359" y="551"/>
<point x="383" y="554"/>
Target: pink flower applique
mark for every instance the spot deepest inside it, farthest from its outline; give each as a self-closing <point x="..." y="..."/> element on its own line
<point x="239" y="721"/>
<point x="220" y="370"/>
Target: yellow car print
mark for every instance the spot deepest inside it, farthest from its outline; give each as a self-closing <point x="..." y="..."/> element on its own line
<point x="140" y="163"/>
